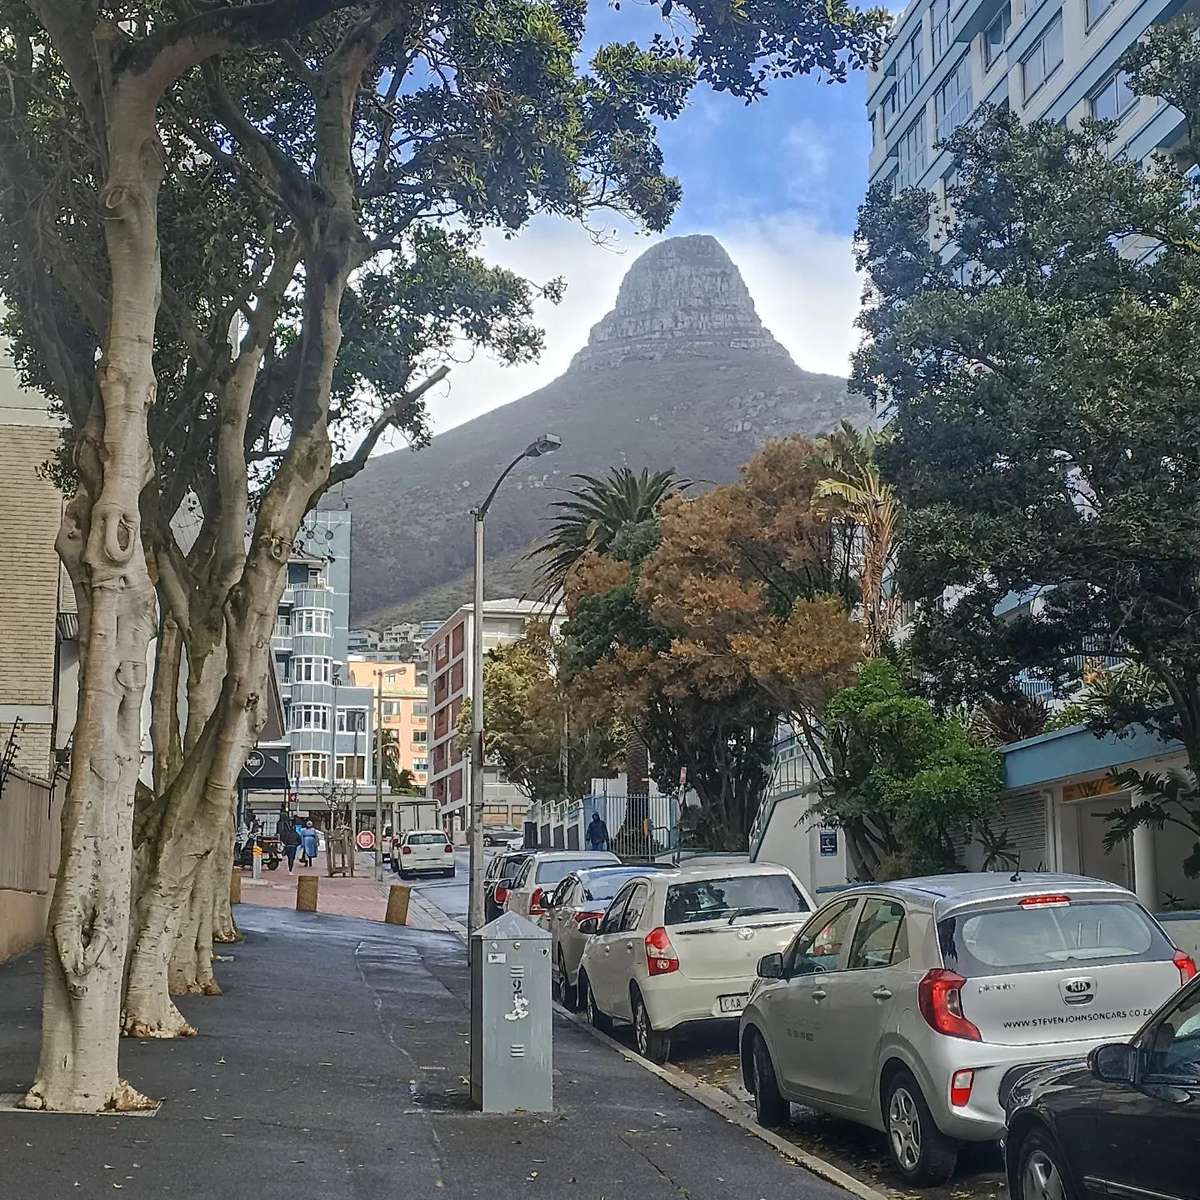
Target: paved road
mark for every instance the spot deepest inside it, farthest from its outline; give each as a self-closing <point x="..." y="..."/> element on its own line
<point x="450" y="895"/>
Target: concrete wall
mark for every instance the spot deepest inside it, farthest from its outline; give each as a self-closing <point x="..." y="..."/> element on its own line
<point x="29" y="849"/>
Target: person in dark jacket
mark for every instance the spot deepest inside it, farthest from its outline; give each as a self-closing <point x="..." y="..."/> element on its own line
<point x="597" y="833"/>
<point x="286" y="832"/>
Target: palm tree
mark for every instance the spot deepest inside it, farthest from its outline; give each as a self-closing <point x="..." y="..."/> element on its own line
<point x="860" y="493"/>
<point x="592" y="516"/>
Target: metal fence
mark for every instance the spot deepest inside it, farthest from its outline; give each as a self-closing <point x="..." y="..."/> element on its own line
<point x="639" y="826"/>
<point x="28" y="834"/>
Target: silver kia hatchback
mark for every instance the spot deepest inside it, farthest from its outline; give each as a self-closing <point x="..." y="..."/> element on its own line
<point x="913" y="1007"/>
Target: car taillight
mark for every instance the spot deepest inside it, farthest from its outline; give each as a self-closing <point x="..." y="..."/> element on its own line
<point x="939" y="996"/>
<point x="1186" y="965"/>
<point x="961" y="1083"/>
<point x="501" y="893"/>
<point x="405" y="849"/>
<point x="660" y="954"/>
<point x="1045" y="902"/>
<point x="448" y="848"/>
<point x="580" y="917"/>
<point x="535" y="901"/>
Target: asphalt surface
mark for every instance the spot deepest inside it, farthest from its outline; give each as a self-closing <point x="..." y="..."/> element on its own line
<point x="450" y="895"/>
<point x="335" y="1065"/>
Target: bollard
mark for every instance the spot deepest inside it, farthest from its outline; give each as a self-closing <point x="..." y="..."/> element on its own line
<point x="235" y="886"/>
<point x="306" y="893"/>
<point x="397" y="909"/>
<point x="256" y="862"/>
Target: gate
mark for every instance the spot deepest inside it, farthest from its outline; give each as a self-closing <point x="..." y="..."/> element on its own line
<point x="639" y="826"/>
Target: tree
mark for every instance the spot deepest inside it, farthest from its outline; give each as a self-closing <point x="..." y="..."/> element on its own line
<point x="549" y="741"/>
<point x="906" y="784"/>
<point x="400" y="780"/>
<point x="360" y="136"/>
<point x="1042" y="389"/>
<point x="594" y="513"/>
<point x="853" y="485"/>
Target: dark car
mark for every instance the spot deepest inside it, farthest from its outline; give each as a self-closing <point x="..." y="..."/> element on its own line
<point x="501" y="872"/>
<point x="1125" y="1123"/>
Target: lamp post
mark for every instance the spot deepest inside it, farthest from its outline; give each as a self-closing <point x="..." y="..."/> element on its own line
<point x="546" y="444"/>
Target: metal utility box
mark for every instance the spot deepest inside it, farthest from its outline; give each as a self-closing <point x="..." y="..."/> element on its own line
<point x="511" y="1017"/>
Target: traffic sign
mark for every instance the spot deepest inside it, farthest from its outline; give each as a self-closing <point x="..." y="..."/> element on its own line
<point x="365" y="840"/>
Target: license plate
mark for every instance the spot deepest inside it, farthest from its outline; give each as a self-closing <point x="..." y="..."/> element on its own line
<point x="732" y="1004"/>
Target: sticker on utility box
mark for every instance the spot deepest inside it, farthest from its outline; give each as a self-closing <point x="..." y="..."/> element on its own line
<point x="497" y="958"/>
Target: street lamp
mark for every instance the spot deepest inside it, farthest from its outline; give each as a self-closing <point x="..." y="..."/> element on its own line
<point x="546" y="444"/>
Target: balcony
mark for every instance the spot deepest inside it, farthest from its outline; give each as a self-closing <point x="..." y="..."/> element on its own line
<point x="955" y="115"/>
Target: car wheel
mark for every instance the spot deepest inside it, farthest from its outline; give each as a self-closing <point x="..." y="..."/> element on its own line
<point x="567" y="994"/>
<point x="1039" y="1175"/>
<point x="920" y="1151"/>
<point x="405" y="874"/>
<point x="651" y="1043"/>
<point x="449" y="874"/>
<point x="771" y="1110"/>
<point x="596" y="1018"/>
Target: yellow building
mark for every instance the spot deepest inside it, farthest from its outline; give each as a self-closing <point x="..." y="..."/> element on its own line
<point x="405" y="708"/>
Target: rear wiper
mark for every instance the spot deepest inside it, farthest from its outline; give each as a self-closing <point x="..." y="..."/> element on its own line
<point x="749" y="912"/>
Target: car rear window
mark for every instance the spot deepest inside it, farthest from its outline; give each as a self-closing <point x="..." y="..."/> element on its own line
<point x="606" y="886"/>
<point x="556" y="870"/>
<point x="427" y="839"/>
<point x="711" y="899"/>
<point x="1000" y="941"/>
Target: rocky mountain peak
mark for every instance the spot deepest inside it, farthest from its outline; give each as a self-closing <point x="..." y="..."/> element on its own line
<point x="682" y="299"/>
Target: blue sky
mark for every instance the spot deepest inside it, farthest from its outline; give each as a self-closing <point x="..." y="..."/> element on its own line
<point x="778" y="182"/>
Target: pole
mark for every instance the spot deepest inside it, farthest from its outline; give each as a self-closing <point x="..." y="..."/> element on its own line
<point x="475" y="837"/>
<point x="379" y="776"/>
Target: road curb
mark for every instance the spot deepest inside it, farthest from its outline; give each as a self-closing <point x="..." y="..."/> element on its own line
<point x="715" y="1100"/>
<point x="435" y="917"/>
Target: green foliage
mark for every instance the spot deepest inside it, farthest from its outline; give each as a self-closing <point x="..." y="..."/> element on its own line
<point x="1044" y="394"/>
<point x="905" y="782"/>
<point x="1171" y="798"/>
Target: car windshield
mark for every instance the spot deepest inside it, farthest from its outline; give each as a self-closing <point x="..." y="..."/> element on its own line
<point x="713" y="899"/>
<point x="1044" y="937"/>
<point x="556" y="870"/>
<point x="426" y="839"/>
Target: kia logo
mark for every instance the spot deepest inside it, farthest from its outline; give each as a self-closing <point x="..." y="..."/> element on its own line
<point x="1078" y="985"/>
<point x="1078" y="991"/>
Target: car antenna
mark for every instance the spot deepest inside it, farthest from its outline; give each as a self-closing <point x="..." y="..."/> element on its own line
<point x="1016" y="875"/>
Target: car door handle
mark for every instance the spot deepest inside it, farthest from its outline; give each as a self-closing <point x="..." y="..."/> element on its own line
<point x="819" y="993"/>
<point x="629" y="947"/>
<point x="882" y="993"/>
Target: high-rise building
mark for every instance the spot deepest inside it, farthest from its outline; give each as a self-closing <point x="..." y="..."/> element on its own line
<point x="450" y="674"/>
<point x="1052" y="59"/>
<point x="405" y="705"/>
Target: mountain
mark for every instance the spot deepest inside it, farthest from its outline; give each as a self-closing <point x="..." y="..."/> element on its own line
<point x="681" y="373"/>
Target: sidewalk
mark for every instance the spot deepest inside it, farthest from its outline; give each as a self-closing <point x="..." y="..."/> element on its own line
<point x="337" y="895"/>
<point x="334" y="1067"/>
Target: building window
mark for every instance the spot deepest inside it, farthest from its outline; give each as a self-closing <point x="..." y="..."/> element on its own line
<point x="420" y="708"/>
<point x="283" y="627"/>
<point x="908" y="69"/>
<point x="391" y="708"/>
<point x="316" y="577"/>
<point x="420" y="737"/>
<point x="940" y="15"/>
<point x="995" y="36"/>
<point x="313" y="622"/>
<point x="311" y="670"/>
<point x="911" y="152"/>
<point x="1113" y="98"/>
<point x="352" y="720"/>
<point x="954" y="99"/>
<point x="351" y="766"/>
<point x="420" y="765"/>
<point x="307" y="765"/>
<point x="1045" y="57"/>
<point x="310" y="716"/>
<point x="1096" y="9"/>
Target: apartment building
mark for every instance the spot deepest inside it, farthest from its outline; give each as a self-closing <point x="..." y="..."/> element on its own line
<point x="449" y="650"/>
<point x="1052" y="59"/>
<point x="405" y="708"/>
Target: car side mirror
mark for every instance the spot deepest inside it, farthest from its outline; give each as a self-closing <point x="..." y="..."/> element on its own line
<point x="770" y="966"/>
<point x="589" y="925"/>
<point x="1113" y="1063"/>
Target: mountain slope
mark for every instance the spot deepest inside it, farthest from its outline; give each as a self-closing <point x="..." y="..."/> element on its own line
<point x="681" y="373"/>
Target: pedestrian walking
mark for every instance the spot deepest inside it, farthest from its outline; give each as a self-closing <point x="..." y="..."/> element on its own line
<point x="597" y="833"/>
<point x="309" y="840"/>
<point x="285" y="830"/>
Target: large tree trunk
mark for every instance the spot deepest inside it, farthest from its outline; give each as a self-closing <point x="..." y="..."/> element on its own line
<point x="225" y="928"/>
<point x="101" y="544"/>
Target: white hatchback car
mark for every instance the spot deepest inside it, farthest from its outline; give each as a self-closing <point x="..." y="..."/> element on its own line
<point x="542" y="872"/>
<point x="915" y="1007"/>
<point x="426" y="851"/>
<point x="679" y="947"/>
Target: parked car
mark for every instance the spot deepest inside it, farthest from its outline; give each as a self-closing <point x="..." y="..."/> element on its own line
<point x="495" y="835"/>
<point x="1117" y="1124"/>
<point x="906" y="1006"/>
<point x="390" y="844"/>
<point x="498" y="878"/>
<point x="583" y="895"/>
<point x="542" y="872"/>
<point x="425" y="851"/>
<point x="678" y="947"/>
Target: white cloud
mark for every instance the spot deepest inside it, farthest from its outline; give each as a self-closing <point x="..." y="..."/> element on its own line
<point x="801" y="277"/>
